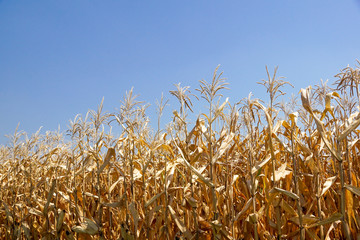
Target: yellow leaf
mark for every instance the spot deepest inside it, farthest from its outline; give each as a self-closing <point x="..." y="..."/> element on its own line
<point x="349" y="203"/>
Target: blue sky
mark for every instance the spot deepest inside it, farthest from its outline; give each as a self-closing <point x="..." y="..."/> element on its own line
<point x="59" y="58"/>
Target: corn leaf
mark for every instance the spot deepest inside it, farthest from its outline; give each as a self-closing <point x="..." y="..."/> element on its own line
<point x="110" y="153"/>
<point x="328" y="183"/>
<point x="179" y="223"/>
<point x="331" y="219"/>
<point x="287" y="193"/>
<point x="353" y="125"/>
<point x="353" y="189"/>
<point x="87" y="227"/>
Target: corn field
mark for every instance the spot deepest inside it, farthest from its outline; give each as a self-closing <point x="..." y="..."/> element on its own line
<point x="256" y="169"/>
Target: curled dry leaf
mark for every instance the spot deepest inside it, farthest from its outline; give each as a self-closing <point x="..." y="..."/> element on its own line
<point x="353" y="125"/>
<point x="328" y="183"/>
<point x="87" y="227"/>
<point x="281" y="172"/>
<point x="319" y="124"/>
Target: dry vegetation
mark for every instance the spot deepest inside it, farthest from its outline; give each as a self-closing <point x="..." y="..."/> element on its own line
<point x="240" y="172"/>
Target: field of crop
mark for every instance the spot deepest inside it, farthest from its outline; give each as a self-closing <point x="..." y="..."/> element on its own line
<point x="257" y="169"/>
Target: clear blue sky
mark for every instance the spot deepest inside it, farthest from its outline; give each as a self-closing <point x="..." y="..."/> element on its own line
<point x="59" y="58"/>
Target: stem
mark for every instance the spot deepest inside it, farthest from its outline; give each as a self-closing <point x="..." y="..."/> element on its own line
<point x="347" y="159"/>
<point x="317" y="181"/>
<point x="212" y="169"/>
<point x="210" y="143"/>
<point x="132" y="172"/>
<point x="109" y="199"/>
<point x="342" y="198"/>
<point x="252" y="179"/>
<point x="166" y="201"/>
<point x="144" y="198"/>
<point x="295" y="178"/>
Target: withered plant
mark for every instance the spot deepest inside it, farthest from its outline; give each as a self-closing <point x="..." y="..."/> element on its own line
<point x="250" y="170"/>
